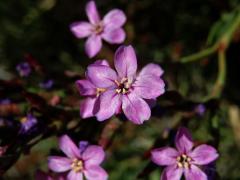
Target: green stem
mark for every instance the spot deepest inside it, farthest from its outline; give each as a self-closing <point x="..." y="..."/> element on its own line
<point x="219" y="84"/>
<point x="200" y="55"/>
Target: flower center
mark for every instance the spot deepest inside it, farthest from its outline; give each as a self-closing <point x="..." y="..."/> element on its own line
<point x="99" y="91"/>
<point x="77" y="165"/>
<point x="98" y="29"/>
<point x="23" y="120"/>
<point x="123" y="86"/>
<point x="184" y="161"/>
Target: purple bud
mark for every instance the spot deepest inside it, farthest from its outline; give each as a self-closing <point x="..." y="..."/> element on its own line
<point x="47" y="84"/>
<point x="23" y="69"/>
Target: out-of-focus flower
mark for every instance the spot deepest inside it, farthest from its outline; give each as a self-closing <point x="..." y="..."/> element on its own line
<point x="28" y="122"/>
<point x="184" y="160"/>
<point x="24" y="69"/>
<point x="124" y="90"/>
<point x="3" y="149"/>
<point x="40" y="175"/>
<point x="5" y="101"/>
<point x="89" y="106"/>
<point x="109" y="28"/>
<point x="82" y="161"/>
<point x="47" y="84"/>
<point x="200" y="109"/>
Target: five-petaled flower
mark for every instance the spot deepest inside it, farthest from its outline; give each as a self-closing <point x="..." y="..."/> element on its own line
<point x="184" y="160"/>
<point x="109" y="28"/>
<point x="124" y="90"/>
<point x="82" y="161"/>
<point x="28" y="122"/>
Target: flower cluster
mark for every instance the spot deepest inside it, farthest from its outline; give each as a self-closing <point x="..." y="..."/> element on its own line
<point x="110" y="92"/>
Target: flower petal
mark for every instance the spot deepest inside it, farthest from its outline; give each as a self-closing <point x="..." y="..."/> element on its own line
<point x="59" y="164"/>
<point x="172" y="173"/>
<point x="149" y="86"/>
<point x="85" y="87"/>
<point x="183" y="140"/>
<point x="81" y="29"/>
<point x="125" y="61"/>
<point x="101" y="76"/>
<point x="194" y="173"/>
<point x="95" y="173"/>
<point x="72" y="175"/>
<point x="164" y="156"/>
<point x="151" y="69"/>
<point x="101" y="62"/>
<point x="92" y="12"/>
<point x="93" y="45"/>
<point x="110" y="102"/>
<point x="114" y="19"/>
<point x="68" y="147"/>
<point x="87" y="107"/>
<point x="83" y="145"/>
<point x="93" y="155"/>
<point x="203" y="154"/>
<point x="115" y="36"/>
<point x="135" y="108"/>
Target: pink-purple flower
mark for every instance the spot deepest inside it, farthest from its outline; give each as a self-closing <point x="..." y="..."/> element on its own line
<point x="124" y="90"/>
<point x="81" y="161"/>
<point x="109" y="28"/>
<point x="185" y="159"/>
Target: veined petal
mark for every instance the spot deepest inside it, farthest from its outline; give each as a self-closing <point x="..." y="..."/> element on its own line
<point x="81" y="29"/>
<point x="151" y="69"/>
<point x="93" y="155"/>
<point x="92" y="12"/>
<point x="87" y="107"/>
<point x="203" y="154"/>
<point x="72" y="175"/>
<point x="95" y="173"/>
<point x="114" y="19"/>
<point x="164" y="156"/>
<point x="85" y="87"/>
<point x="149" y="86"/>
<point x="115" y="36"/>
<point x="172" y="173"/>
<point x="93" y="45"/>
<point x="194" y="173"/>
<point x="183" y="140"/>
<point x="101" y="76"/>
<point x="135" y="108"/>
<point x="68" y="147"/>
<point x="59" y="164"/>
<point x="125" y="61"/>
<point x="110" y="102"/>
<point x="101" y="62"/>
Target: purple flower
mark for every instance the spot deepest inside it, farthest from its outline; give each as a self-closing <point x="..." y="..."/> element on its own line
<point x="124" y="90"/>
<point x="47" y="84"/>
<point x="5" y="101"/>
<point x="23" y="69"/>
<point x="184" y="160"/>
<point x="82" y="161"/>
<point x="109" y="28"/>
<point x="89" y="106"/>
<point x="28" y="122"/>
<point x="200" y="109"/>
